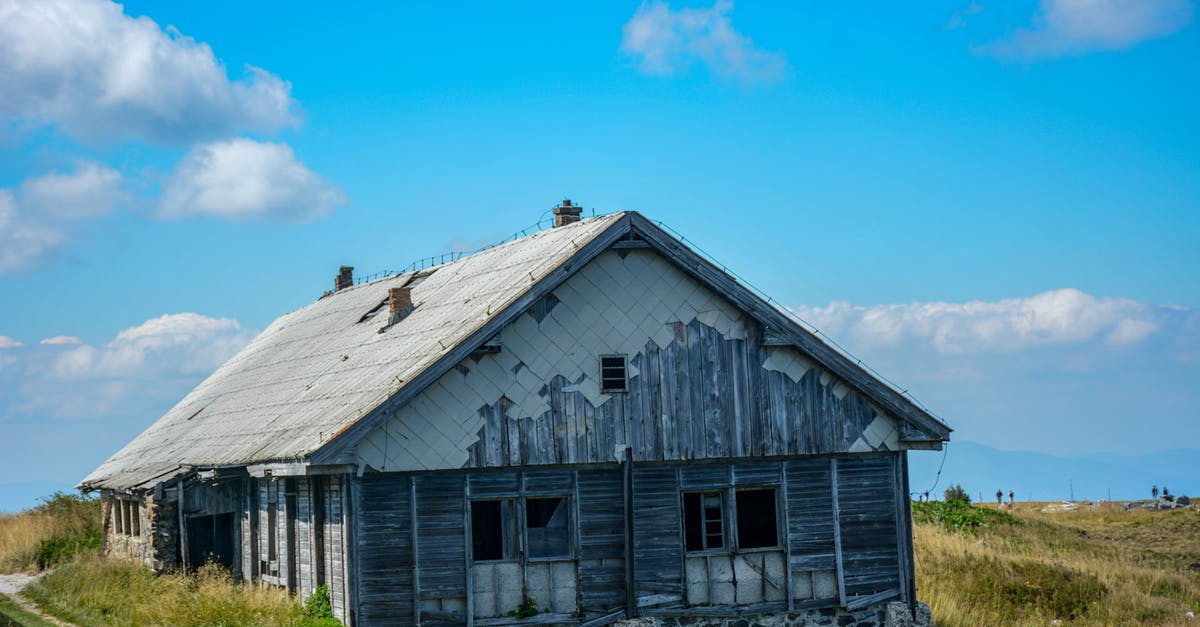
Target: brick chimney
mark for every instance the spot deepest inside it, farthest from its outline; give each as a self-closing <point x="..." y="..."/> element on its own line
<point x="399" y="303"/>
<point x="566" y="213"/>
<point x="344" y="279"/>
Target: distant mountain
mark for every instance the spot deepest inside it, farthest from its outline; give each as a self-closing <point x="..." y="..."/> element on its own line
<point x="1045" y="477"/>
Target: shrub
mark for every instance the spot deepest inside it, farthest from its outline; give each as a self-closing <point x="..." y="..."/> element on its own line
<point x="956" y="494"/>
<point x="59" y="527"/>
<point x="959" y="515"/>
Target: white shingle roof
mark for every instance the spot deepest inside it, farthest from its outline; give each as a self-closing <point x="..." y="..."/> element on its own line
<point x="317" y="370"/>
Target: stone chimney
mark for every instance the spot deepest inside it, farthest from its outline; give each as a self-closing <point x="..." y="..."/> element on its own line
<point x="344" y="279"/>
<point x="399" y="303"/>
<point x="566" y="213"/>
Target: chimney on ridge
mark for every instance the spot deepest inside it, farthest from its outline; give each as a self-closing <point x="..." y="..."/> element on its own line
<point x="399" y="303"/>
<point x="344" y="279"/>
<point x="566" y="213"/>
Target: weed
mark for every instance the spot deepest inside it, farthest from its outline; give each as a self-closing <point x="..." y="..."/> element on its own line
<point x="527" y="608"/>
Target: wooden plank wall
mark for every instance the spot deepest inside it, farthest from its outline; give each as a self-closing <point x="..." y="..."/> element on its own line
<point x="867" y="494"/>
<point x="657" y="535"/>
<point x="383" y="550"/>
<point x="601" y="541"/>
<point x="863" y="518"/>
<point x="703" y="396"/>
<point x="441" y="539"/>
<point x="334" y="542"/>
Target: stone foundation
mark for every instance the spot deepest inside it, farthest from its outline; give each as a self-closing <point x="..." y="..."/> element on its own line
<point x="893" y="614"/>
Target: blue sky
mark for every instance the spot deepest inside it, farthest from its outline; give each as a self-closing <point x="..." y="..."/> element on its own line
<point x="995" y="204"/>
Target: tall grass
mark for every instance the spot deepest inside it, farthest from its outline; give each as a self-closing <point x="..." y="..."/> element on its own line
<point x="61" y="526"/>
<point x="92" y="590"/>
<point x="1102" y="566"/>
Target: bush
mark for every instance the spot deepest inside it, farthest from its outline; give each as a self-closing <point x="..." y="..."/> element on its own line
<point x="956" y="494"/>
<point x="60" y="527"/>
<point x="959" y="515"/>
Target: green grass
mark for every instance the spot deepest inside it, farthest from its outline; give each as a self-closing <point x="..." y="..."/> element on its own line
<point x="13" y="615"/>
<point x="959" y="515"/>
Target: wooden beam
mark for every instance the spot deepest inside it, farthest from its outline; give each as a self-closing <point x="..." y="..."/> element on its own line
<point x="631" y="590"/>
<point x="858" y="603"/>
<point x="416" y="563"/>
<point x="837" y="532"/>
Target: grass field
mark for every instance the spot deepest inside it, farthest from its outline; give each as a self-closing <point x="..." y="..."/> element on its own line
<point x="975" y="566"/>
<point x="984" y="566"/>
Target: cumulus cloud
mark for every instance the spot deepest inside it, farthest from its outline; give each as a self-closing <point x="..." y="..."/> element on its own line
<point x="139" y="373"/>
<point x="1064" y="27"/>
<point x="1062" y="316"/>
<point x="244" y="179"/>
<point x="60" y="339"/>
<point x="8" y="342"/>
<point x="664" y="41"/>
<point x="102" y="75"/>
<point x="180" y="344"/>
<point x="36" y="220"/>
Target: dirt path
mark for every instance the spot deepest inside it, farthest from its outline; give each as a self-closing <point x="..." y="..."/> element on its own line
<point x="11" y="585"/>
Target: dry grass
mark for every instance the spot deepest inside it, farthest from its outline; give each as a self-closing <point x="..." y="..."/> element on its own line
<point x="91" y="590"/>
<point x="1101" y="566"/>
<point x="61" y="526"/>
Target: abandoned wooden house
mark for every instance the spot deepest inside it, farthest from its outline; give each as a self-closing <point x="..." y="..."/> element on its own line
<point x="588" y="423"/>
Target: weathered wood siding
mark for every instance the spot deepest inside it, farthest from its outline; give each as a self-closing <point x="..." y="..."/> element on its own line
<point x="657" y="532"/>
<point x="703" y="384"/>
<point x="383" y="578"/>
<point x="867" y="494"/>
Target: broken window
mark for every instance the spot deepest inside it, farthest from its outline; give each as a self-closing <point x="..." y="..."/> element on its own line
<point x="756" y="520"/>
<point x="135" y="515"/>
<point x="613" y="377"/>
<point x="703" y="516"/>
<point x="272" y="529"/>
<point x="492" y="530"/>
<point x="547" y="530"/>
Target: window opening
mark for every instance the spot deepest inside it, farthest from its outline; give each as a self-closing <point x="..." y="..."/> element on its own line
<point x="756" y="519"/>
<point x="702" y="519"/>
<point x="272" y="528"/>
<point x="492" y="530"/>
<point x="613" y="376"/>
<point x="135" y="514"/>
<point x="547" y="528"/>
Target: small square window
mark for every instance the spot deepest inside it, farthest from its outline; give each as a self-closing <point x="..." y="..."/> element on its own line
<point x="756" y="526"/>
<point x="703" y="516"/>
<point x="546" y="527"/>
<point x="613" y="377"/>
<point x="493" y="534"/>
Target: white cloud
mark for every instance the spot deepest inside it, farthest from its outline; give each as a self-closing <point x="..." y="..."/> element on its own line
<point x="663" y="41"/>
<point x="1062" y="316"/>
<point x="245" y="179"/>
<point x="35" y="222"/>
<point x="60" y="339"/>
<point x="8" y="342"/>
<point x="1063" y="27"/>
<point x="180" y="344"/>
<point x="103" y="75"/>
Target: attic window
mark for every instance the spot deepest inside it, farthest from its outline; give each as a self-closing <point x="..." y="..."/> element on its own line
<point x="613" y="376"/>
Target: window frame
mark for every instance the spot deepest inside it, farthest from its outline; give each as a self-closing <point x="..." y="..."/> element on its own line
<point x="521" y="532"/>
<point x="726" y="543"/>
<point x="729" y="511"/>
<point x="604" y="389"/>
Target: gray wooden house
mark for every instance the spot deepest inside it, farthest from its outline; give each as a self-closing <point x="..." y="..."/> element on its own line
<point x="593" y="416"/>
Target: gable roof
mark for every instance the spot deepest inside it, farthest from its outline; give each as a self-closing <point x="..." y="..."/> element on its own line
<point x="321" y="377"/>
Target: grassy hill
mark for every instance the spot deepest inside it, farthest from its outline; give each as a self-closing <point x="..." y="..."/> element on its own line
<point x="987" y="565"/>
